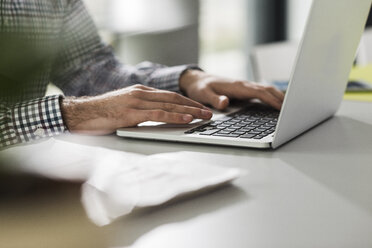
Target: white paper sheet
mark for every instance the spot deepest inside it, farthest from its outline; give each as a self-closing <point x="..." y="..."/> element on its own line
<point x="117" y="182"/>
<point x="114" y="190"/>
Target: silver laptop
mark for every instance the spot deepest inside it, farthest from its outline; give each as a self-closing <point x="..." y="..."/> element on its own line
<point x="315" y="91"/>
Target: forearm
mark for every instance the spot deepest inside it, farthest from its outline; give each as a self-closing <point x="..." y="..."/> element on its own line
<point x="104" y="73"/>
<point x="85" y="66"/>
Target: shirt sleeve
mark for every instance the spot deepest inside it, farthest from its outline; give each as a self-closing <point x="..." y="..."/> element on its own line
<point x="31" y="120"/>
<point x="86" y="66"/>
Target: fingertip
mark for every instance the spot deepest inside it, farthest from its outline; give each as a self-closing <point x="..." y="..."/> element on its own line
<point x="206" y="114"/>
<point x="279" y="106"/>
<point x="223" y="102"/>
<point x="219" y="102"/>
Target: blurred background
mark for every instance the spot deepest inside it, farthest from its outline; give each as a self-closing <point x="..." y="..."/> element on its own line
<point x="216" y="34"/>
<point x="219" y="35"/>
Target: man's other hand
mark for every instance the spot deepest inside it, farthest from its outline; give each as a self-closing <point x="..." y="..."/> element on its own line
<point x="128" y="107"/>
<point x="218" y="91"/>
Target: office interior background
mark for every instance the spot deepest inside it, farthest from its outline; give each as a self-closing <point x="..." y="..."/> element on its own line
<point x="217" y="34"/>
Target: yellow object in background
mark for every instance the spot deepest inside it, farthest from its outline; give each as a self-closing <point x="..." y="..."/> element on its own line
<point x="362" y="73"/>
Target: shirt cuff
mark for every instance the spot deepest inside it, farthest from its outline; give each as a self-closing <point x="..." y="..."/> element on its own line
<point x="38" y="119"/>
<point x="168" y="77"/>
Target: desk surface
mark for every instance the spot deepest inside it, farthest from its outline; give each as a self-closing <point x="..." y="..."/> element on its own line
<point x="315" y="191"/>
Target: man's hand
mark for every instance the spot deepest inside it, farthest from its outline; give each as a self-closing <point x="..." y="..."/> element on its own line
<point x="217" y="91"/>
<point x="128" y="107"/>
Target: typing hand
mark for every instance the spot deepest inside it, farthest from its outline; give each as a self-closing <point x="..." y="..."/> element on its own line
<point x="128" y="107"/>
<point x="217" y="91"/>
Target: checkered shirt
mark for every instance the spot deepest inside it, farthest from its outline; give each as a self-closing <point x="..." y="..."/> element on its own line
<point x="43" y="41"/>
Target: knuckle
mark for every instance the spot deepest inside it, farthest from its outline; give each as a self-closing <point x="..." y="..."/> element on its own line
<point x="168" y="106"/>
<point x="239" y="83"/>
<point x="191" y="110"/>
<point x="204" y="91"/>
<point x="159" y="114"/>
<point x="163" y="106"/>
<point x="135" y="92"/>
<point x="260" y="89"/>
<point x="129" y="112"/>
<point x="269" y="87"/>
<point x="175" y="96"/>
<point x="179" y="118"/>
<point x="134" y="102"/>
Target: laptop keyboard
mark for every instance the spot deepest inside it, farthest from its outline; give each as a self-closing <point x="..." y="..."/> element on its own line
<point x="255" y="122"/>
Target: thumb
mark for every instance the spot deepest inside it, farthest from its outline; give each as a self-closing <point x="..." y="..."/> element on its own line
<point x="217" y="101"/>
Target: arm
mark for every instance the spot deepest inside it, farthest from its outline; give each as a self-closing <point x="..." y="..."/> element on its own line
<point x="85" y="66"/>
<point x="103" y="114"/>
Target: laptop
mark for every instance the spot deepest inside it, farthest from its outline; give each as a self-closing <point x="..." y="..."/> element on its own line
<point x="315" y="91"/>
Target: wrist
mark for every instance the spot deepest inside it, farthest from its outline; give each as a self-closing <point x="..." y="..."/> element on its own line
<point x="74" y="111"/>
<point x="188" y="78"/>
<point x="67" y="109"/>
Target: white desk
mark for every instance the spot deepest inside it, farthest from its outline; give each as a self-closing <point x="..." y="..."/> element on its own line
<point x="316" y="191"/>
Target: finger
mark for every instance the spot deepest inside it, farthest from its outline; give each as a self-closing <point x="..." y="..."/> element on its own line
<point x="267" y="97"/>
<point x="217" y="101"/>
<point x="245" y="90"/>
<point x="277" y="93"/>
<point x="164" y="116"/>
<point x="169" y="97"/>
<point x="197" y="113"/>
<point x="230" y="89"/>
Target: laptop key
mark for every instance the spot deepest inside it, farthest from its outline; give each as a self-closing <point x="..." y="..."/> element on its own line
<point x="240" y="125"/>
<point x="222" y="126"/>
<point x="231" y="129"/>
<point x="223" y="132"/>
<point x="209" y="132"/>
<point x="254" y="125"/>
<point x="260" y="129"/>
<point x="229" y="135"/>
<point x="247" y="136"/>
<point x="255" y="132"/>
<point x="238" y="132"/>
<point x="228" y="123"/>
